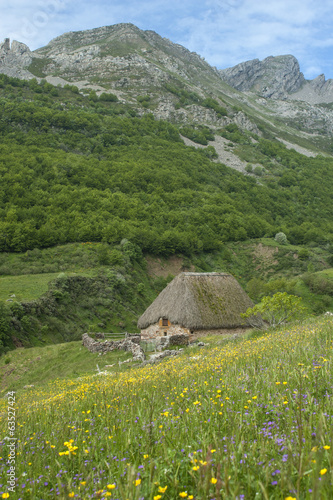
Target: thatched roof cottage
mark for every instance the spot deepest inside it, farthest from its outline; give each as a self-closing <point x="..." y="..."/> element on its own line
<point x="195" y="301"/>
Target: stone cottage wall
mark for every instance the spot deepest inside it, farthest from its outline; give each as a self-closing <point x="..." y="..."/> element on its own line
<point x="156" y="331"/>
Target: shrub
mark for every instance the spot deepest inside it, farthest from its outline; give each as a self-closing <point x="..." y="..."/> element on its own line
<point x="17" y="310"/>
<point x="210" y="152"/>
<point x="255" y="288"/>
<point x="258" y="171"/>
<point x="108" y="97"/>
<point x="4" y="328"/>
<point x="303" y="254"/>
<point x="281" y="238"/>
<point x="317" y="283"/>
<point x="276" y="310"/>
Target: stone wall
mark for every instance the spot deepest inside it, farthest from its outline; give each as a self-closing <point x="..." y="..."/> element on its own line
<point x="156" y="331"/>
<point x="99" y="335"/>
<point x="162" y="343"/>
<point x="179" y="339"/>
<point x="134" y="337"/>
<point x="113" y="345"/>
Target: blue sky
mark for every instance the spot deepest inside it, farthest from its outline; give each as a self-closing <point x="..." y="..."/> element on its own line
<point x="225" y="32"/>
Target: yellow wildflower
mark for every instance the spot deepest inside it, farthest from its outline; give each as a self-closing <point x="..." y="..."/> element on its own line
<point x="323" y="471"/>
<point x="213" y="480"/>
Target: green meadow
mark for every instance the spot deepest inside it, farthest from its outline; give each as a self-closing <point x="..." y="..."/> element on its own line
<point x="241" y="418"/>
<point x="25" y="287"/>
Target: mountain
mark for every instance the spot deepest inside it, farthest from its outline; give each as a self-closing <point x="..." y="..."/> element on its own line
<point x="274" y="77"/>
<point x="278" y="78"/>
<point x="155" y="75"/>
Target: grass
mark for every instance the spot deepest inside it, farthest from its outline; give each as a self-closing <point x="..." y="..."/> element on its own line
<point x="235" y="420"/>
<point x="40" y="365"/>
<point x="25" y="287"/>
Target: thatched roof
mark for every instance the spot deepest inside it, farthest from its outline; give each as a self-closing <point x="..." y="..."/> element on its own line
<point x="199" y="301"/>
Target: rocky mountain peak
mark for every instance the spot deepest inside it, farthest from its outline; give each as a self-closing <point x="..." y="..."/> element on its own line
<point x="5" y="46"/>
<point x="274" y="77"/>
<point x="14" y="58"/>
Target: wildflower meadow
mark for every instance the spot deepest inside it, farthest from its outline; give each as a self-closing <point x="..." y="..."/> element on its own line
<point x="249" y="418"/>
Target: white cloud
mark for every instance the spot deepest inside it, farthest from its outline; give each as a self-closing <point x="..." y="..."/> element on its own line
<point x="30" y="22"/>
<point x="233" y="31"/>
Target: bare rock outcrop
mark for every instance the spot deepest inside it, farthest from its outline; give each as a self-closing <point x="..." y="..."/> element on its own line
<point x="274" y="77"/>
<point x="14" y="59"/>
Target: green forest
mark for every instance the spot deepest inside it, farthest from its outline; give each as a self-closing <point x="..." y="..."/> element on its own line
<point x="80" y="168"/>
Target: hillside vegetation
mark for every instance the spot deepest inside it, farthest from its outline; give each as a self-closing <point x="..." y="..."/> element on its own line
<point x="75" y="168"/>
<point x="89" y="189"/>
<point x="241" y="418"/>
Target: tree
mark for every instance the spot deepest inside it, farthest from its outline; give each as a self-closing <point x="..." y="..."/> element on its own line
<point x="276" y="310"/>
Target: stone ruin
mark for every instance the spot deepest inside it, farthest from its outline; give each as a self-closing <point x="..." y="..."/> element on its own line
<point x="112" y="345"/>
<point x="172" y="340"/>
<point x="132" y="344"/>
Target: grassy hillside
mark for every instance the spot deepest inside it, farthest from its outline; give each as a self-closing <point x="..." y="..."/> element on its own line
<point x="39" y="366"/>
<point x="101" y="287"/>
<point x="227" y="421"/>
<point x="107" y="291"/>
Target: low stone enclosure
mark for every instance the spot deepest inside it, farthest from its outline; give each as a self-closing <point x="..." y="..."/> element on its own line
<point x="132" y="344"/>
<point x="113" y="345"/>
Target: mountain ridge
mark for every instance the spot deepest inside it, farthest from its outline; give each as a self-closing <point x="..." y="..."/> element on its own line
<point x="274" y="76"/>
<point x="154" y="75"/>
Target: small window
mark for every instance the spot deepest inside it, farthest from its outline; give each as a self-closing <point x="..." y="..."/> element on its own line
<point x="165" y="322"/>
<point x="165" y="334"/>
